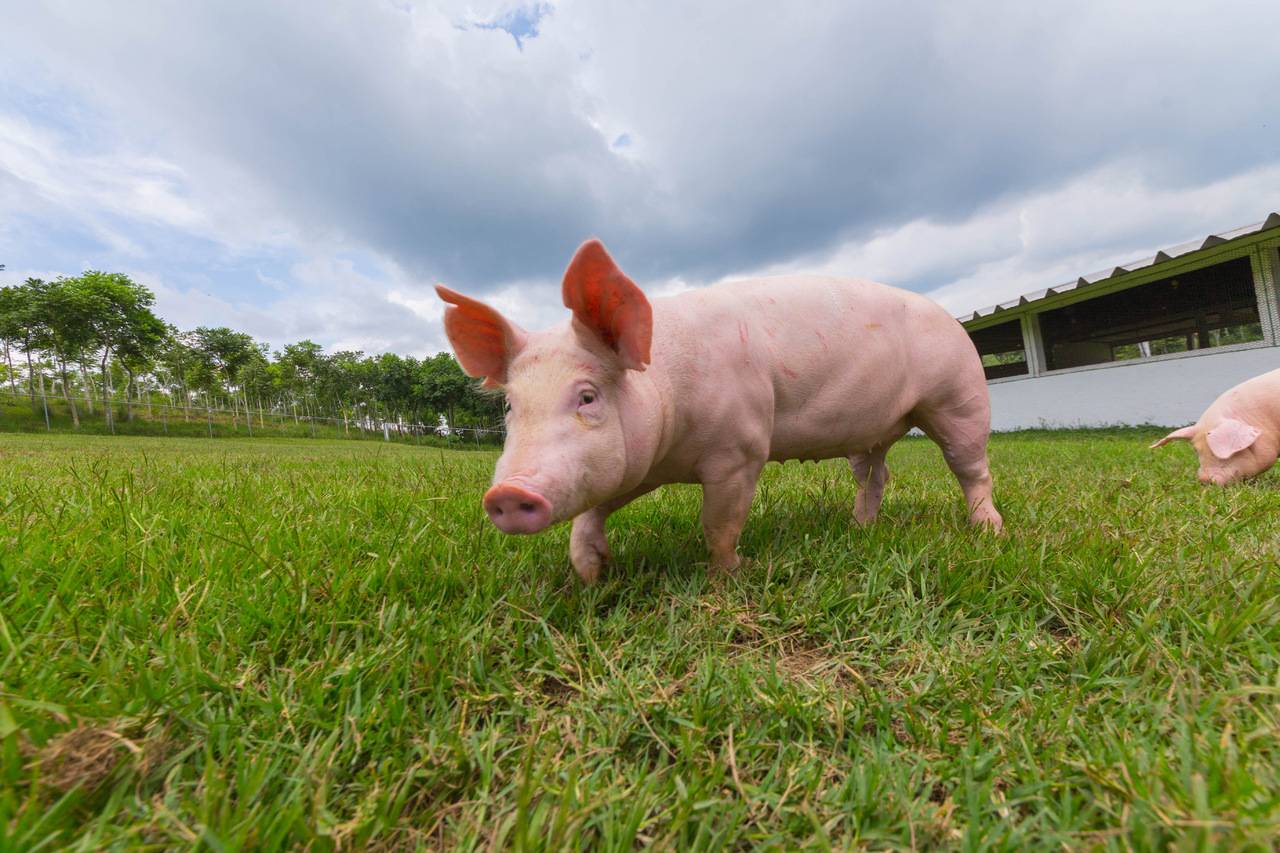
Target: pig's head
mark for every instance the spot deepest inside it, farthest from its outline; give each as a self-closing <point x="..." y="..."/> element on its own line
<point x="1230" y="450"/>
<point x="576" y="425"/>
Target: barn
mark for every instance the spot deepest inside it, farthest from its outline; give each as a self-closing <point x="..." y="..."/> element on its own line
<point x="1154" y="341"/>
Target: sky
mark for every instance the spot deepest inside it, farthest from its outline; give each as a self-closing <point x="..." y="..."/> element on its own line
<point x="308" y="170"/>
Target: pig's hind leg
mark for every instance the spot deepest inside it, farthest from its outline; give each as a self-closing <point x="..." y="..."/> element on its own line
<point x="588" y="542"/>
<point x="962" y="434"/>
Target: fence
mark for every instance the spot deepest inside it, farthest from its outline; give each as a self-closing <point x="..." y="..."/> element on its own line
<point x="19" y="413"/>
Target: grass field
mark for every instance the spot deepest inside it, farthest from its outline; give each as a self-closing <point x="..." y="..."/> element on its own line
<point x="260" y="645"/>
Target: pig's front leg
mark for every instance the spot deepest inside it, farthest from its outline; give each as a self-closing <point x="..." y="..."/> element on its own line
<point x="588" y="543"/>
<point x="725" y="505"/>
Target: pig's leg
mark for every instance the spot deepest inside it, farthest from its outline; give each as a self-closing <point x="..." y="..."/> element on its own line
<point x="588" y="544"/>
<point x="725" y="504"/>
<point x="872" y="474"/>
<point x="962" y="435"/>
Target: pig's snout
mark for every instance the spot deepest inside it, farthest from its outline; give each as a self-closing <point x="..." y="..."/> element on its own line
<point x="516" y="510"/>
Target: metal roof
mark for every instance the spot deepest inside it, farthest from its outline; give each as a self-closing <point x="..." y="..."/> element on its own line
<point x="1272" y="221"/>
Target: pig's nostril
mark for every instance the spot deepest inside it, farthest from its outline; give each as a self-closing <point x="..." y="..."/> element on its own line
<point x="517" y="510"/>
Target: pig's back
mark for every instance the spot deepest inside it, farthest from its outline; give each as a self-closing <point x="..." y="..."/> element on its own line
<point x="832" y="363"/>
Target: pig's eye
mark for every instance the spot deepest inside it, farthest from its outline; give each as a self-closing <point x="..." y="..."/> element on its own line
<point x="586" y="398"/>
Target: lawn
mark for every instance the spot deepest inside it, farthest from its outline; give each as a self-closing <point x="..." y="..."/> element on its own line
<point x="256" y="645"/>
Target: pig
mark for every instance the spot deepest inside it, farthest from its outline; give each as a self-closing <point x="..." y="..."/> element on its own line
<point x="705" y="387"/>
<point x="1238" y="436"/>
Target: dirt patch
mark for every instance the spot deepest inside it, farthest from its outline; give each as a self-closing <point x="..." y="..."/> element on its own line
<point x="86" y="756"/>
<point x="557" y="692"/>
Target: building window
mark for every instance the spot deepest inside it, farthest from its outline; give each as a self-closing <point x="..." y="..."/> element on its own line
<point x="1209" y="307"/>
<point x="1002" y="350"/>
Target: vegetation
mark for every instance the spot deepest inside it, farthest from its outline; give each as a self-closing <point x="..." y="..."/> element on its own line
<point x="102" y="324"/>
<point x="282" y="645"/>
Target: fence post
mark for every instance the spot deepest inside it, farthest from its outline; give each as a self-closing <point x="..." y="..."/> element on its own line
<point x="209" y="414"/>
<point x="313" y="425"/>
<point x="247" y="420"/>
<point x="282" y="422"/>
<point x="48" y="428"/>
<point x="164" y="418"/>
<point x="477" y="432"/>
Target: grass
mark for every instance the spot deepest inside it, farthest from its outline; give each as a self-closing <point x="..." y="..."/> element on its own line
<point x="231" y="645"/>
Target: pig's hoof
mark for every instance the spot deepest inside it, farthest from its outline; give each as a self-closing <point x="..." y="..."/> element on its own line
<point x="725" y="566"/>
<point x="588" y="568"/>
<point x="989" y="520"/>
<point x="588" y="560"/>
<point x="864" y="519"/>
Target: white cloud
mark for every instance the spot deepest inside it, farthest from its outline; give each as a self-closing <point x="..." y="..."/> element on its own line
<point x="1015" y="246"/>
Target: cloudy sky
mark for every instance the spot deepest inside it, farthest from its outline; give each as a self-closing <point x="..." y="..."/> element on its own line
<point x="309" y="169"/>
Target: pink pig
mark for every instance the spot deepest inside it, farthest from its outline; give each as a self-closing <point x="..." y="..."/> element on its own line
<point x="706" y="387"/>
<point x="1238" y="436"/>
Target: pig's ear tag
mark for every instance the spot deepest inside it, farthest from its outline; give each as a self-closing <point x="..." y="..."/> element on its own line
<point x="609" y="304"/>
<point x="1185" y="434"/>
<point x="484" y="340"/>
<point x="1230" y="437"/>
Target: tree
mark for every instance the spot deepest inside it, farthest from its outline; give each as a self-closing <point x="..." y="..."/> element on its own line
<point x="118" y="313"/>
<point x="299" y="366"/>
<point x="65" y="331"/>
<point x="137" y="353"/>
<point x="227" y="350"/>
<point x="182" y="365"/>
<point x="27" y="324"/>
<point x="11" y="329"/>
<point x="446" y="387"/>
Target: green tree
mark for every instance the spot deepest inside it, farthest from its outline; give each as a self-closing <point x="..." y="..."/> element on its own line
<point x="137" y="353"/>
<point x="28" y="324"/>
<point x="300" y="365"/>
<point x="11" y="329"/>
<point x="118" y="313"/>
<point x="445" y="387"/>
<point x="228" y="351"/>
<point x="65" y="331"/>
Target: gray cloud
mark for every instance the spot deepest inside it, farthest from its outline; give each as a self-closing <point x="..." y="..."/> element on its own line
<point x="697" y="140"/>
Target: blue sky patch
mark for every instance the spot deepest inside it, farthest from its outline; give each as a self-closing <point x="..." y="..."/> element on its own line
<point x="521" y="22"/>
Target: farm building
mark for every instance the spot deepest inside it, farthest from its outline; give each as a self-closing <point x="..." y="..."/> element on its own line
<point x="1150" y="342"/>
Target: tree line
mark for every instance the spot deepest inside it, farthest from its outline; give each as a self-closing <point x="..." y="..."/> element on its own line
<point x="94" y="338"/>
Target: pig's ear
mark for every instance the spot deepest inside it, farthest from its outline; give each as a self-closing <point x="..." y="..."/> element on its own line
<point x="1230" y="437"/>
<point x="609" y="304"/>
<point x="1186" y="434"/>
<point x="484" y="340"/>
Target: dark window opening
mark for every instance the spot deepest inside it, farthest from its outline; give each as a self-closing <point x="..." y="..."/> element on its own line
<point x="1211" y="307"/>
<point x="1002" y="350"/>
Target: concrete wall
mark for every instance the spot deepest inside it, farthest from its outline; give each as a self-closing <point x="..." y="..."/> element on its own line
<point x="1171" y="392"/>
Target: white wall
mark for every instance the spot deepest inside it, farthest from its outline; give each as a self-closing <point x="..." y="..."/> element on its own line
<point x="1170" y="392"/>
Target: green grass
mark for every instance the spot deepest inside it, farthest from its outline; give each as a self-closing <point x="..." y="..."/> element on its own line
<point x="258" y="645"/>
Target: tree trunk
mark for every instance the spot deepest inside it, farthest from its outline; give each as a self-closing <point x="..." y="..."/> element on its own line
<point x="13" y="388"/>
<point x="88" y="396"/>
<point x="106" y="404"/>
<point x="128" y="395"/>
<point x="66" y="391"/>
<point x="31" y="381"/>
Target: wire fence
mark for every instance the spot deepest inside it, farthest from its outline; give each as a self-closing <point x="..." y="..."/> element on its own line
<point x="52" y="413"/>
